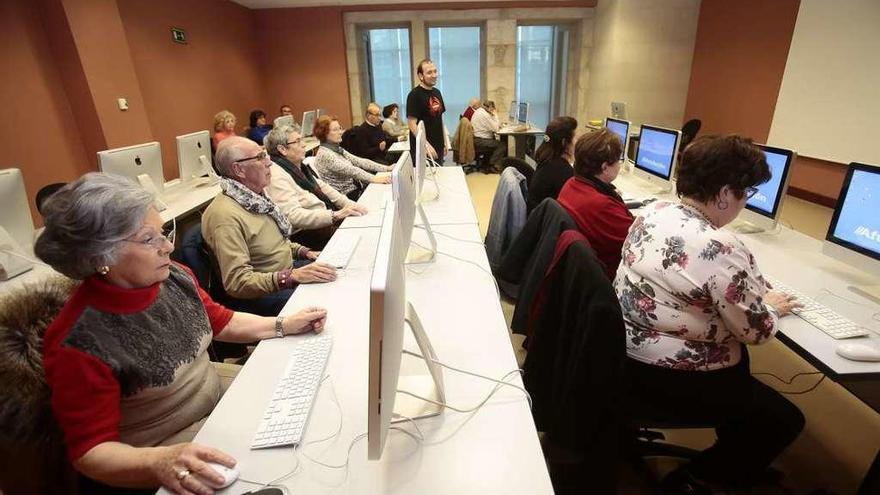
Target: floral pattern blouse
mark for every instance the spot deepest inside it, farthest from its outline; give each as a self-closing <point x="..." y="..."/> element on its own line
<point x="691" y="294"/>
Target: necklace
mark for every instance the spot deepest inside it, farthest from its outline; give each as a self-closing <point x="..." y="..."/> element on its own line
<point x="700" y="211"/>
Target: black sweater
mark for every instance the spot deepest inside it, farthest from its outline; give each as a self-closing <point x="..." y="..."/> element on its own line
<point x="548" y="180"/>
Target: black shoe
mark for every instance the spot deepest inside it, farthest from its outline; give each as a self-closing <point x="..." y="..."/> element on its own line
<point x="682" y="482"/>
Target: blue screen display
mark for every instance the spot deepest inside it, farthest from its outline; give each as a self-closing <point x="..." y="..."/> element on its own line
<point x="621" y="130"/>
<point x="656" y="151"/>
<point x="765" y="198"/>
<point x="858" y="221"/>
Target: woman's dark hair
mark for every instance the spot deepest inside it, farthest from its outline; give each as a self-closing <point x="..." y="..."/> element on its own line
<point x="594" y="150"/>
<point x="255" y="115"/>
<point x="712" y="162"/>
<point x="560" y="131"/>
<point x="386" y="112"/>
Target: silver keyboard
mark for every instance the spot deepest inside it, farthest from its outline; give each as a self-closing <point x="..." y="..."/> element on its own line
<point x="340" y="248"/>
<point x="288" y="411"/>
<point x="820" y="316"/>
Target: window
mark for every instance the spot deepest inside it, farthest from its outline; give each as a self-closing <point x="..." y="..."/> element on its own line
<point x="388" y="66"/>
<point x="541" y="70"/>
<point x="456" y="52"/>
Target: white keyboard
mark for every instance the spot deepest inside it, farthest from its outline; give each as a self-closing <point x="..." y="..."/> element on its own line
<point x="338" y="251"/>
<point x="820" y="316"/>
<point x="286" y="415"/>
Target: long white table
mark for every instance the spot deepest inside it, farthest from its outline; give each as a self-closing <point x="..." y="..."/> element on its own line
<point x="796" y="260"/>
<point x="494" y="450"/>
<point x="182" y="198"/>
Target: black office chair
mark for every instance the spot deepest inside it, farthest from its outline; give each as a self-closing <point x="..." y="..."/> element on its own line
<point x="689" y="132"/>
<point x="194" y="253"/>
<point x="45" y="193"/>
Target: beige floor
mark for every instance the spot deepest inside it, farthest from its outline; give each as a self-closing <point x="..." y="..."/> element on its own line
<point x="842" y="434"/>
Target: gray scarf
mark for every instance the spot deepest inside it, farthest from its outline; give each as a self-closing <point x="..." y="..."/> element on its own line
<point x="255" y="203"/>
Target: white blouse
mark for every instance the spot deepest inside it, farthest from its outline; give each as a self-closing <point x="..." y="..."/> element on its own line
<point x="690" y="293"/>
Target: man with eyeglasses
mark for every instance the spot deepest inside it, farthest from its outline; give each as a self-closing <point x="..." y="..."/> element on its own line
<point x="248" y="234"/>
<point x="313" y="207"/>
<point x="370" y="141"/>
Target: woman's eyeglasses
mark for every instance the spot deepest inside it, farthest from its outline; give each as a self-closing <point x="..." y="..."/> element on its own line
<point x="750" y="191"/>
<point x="158" y="241"/>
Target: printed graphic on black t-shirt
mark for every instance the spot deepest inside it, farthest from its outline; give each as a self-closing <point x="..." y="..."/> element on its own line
<point x="426" y="105"/>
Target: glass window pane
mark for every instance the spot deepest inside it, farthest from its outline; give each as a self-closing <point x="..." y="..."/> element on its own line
<point x="390" y="66"/>
<point x="534" y="71"/>
<point x="456" y="52"/>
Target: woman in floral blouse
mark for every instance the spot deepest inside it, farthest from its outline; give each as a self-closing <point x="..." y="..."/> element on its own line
<point x="692" y="298"/>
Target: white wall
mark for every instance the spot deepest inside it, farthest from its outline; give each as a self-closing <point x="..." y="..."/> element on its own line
<point x="829" y="102"/>
<point x="642" y="53"/>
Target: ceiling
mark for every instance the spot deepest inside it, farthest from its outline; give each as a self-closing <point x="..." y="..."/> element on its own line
<point x="274" y="4"/>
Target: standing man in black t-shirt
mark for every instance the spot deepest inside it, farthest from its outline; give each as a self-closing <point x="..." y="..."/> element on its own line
<point x="425" y="104"/>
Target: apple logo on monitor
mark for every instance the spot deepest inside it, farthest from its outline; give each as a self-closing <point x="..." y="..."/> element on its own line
<point x="137" y="160"/>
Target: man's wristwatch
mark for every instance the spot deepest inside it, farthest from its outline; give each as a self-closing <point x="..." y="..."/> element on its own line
<point x="279" y="326"/>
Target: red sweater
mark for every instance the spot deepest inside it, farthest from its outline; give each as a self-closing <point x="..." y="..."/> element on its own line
<point x="601" y="216"/>
<point x="116" y="358"/>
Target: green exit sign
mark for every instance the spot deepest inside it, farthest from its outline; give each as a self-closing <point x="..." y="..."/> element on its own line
<point x="178" y="35"/>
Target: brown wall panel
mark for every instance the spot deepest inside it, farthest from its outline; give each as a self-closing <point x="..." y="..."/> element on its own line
<point x="38" y="133"/>
<point x="184" y="85"/>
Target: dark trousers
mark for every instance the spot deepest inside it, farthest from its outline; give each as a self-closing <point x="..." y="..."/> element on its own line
<point x="753" y="422"/>
<point x="268" y="305"/>
<point x="493" y="146"/>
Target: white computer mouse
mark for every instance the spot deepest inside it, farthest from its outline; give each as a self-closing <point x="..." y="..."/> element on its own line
<point x="229" y="474"/>
<point x="859" y="351"/>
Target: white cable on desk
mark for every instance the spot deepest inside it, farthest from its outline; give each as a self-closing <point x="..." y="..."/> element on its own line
<point x="501" y="382"/>
<point x="498" y="385"/>
<point x="481" y="243"/>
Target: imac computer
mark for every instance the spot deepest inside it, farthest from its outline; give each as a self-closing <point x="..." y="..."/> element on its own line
<point x="854" y="233"/>
<point x="404" y="192"/>
<point x="284" y="120"/>
<point x="621" y="128"/>
<point x="308" y="127"/>
<point x="421" y="165"/>
<point x="16" y="226"/>
<point x="522" y="113"/>
<point x="390" y="313"/>
<point x="656" y="156"/>
<point x="618" y="110"/>
<point x="141" y="163"/>
<point x="319" y="112"/>
<point x="762" y="210"/>
<point x="194" y="156"/>
<point x="513" y="112"/>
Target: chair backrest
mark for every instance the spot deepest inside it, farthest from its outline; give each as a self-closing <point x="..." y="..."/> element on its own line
<point x="349" y="141"/>
<point x="689" y="131"/>
<point x="194" y="255"/>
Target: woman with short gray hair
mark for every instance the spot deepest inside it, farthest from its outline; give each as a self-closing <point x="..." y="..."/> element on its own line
<point x="126" y="358"/>
<point x="313" y="207"/>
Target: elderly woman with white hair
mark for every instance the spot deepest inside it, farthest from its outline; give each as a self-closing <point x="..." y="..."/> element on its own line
<point x="249" y="234"/>
<point x="313" y="207"/>
<point x="126" y="358"/>
<point x="224" y="126"/>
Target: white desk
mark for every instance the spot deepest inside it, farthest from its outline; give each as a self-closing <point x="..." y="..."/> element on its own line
<point x="399" y="147"/>
<point x="797" y="260"/>
<point x="452" y="206"/>
<point x="494" y="450"/>
<point x="182" y="198"/>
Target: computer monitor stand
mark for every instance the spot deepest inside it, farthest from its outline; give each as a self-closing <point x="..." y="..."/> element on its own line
<point x="871" y="292"/>
<point x="213" y="178"/>
<point x="429" y="386"/>
<point x="418" y="253"/>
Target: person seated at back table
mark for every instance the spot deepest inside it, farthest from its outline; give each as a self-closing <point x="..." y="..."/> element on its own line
<point x="369" y="140"/>
<point x="285" y="110"/>
<point x="693" y="300"/>
<point x="486" y="126"/>
<point x="259" y="128"/>
<point x="126" y="357"/>
<point x="224" y="127"/>
<point x="592" y="200"/>
<point x="554" y="158"/>
<point x="392" y="125"/>
<point x="344" y="172"/>
<point x="248" y="234"/>
<point x="313" y="208"/>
